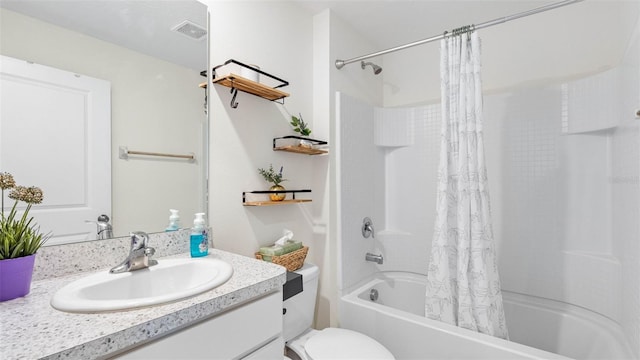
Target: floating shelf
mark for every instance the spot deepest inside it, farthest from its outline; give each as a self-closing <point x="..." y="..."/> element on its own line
<point x="236" y="82"/>
<point x="268" y="202"/>
<point x="251" y="87"/>
<point x="300" y="149"/>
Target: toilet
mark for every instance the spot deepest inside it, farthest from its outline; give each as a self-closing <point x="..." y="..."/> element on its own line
<point x="305" y="343"/>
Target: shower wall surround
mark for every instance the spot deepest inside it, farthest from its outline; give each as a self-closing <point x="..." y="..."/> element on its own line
<point x="564" y="170"/>
<point x="362" y="188"/>
<point x="625" y="183"/>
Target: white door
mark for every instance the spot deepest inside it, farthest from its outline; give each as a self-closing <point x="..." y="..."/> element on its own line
<point x="55" y="133"/>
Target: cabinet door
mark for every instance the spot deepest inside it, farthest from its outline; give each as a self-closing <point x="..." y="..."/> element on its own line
<point x="273" y="350"/>
<point x="230" y="335"/>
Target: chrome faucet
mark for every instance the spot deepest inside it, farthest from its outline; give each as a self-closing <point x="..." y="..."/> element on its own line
<point x="139" y="255"/>
<point x="105" y="230"/>
<point x="374" y="258"/>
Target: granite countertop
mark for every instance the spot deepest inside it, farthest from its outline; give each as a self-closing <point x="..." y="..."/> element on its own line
<point x="32" y="329"/>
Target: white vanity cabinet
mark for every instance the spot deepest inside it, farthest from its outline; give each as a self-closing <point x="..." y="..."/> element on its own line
<point x="252" y="330"/>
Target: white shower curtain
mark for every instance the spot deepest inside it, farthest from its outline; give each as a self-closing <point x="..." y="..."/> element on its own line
<point x="463" y="287"/>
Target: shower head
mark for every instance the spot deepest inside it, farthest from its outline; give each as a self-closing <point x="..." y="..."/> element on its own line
<point x="376" y="69"/>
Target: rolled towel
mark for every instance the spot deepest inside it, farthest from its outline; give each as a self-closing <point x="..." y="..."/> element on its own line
<point x="277" y="250"/>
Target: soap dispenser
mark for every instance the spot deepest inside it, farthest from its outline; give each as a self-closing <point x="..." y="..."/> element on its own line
<point x="174" y="221"/>
<point x="199" y="239"/>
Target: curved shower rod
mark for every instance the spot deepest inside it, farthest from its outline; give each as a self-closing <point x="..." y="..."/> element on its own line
<point x="341" y="63"/>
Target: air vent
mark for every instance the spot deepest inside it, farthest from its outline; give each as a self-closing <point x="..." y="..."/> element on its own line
<point x="191" y="30"/>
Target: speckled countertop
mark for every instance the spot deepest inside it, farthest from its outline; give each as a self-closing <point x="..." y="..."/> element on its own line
<point x="32" y="329"/>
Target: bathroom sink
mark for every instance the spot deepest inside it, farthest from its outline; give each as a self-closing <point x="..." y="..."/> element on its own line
<point x="169" y="280"/>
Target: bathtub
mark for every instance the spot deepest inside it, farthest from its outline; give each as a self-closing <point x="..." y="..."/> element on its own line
<point x="538" y="328"/>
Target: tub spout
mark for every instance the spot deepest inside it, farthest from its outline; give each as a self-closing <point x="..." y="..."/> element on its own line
<point x="374" y="258"/>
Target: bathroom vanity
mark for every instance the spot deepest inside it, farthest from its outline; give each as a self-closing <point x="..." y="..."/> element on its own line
<point x="240" y="319"/>
<point x="250" y="331"/>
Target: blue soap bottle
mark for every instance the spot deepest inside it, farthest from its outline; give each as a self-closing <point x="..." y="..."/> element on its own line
<point x="199" y="239"/>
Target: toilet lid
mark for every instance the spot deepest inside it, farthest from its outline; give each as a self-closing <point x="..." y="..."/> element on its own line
<point x="333" y="343"/>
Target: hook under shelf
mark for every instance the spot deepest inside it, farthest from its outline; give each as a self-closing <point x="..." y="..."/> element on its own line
<point x="234" y="103"/>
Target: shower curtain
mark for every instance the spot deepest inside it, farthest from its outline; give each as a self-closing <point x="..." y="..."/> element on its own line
<point x="463" y="287"/>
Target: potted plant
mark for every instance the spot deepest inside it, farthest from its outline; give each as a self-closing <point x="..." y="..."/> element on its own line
<point x="275" y="178"/>
<point x="301" y="127"/>
<point x="20" y="239"/>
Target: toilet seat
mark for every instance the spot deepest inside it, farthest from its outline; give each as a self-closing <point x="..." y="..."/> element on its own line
<point x="334" y="343"/>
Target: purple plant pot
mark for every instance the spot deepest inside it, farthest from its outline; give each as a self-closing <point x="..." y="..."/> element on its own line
<point x="15" y="277"/>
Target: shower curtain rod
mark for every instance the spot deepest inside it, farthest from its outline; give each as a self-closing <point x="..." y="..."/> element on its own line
<point x="341" y="63"/>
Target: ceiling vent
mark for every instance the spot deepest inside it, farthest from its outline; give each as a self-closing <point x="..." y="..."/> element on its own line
<point x="191" y="30"/>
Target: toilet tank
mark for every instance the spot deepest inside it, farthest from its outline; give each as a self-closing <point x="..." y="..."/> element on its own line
<point x="300" y="309"/>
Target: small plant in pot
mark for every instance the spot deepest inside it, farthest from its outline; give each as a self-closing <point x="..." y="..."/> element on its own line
<point x="302" y="128"/>
<point x="20" y="239"/>
<point x="275" y="178"/>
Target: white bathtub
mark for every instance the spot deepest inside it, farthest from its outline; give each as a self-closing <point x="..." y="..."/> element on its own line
<point x="538" y="328"/>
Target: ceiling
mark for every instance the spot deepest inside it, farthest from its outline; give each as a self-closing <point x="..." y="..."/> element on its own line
<point x="390" y="23"/>
<point x="141" y="25"/>
<point x="145" y="25"/>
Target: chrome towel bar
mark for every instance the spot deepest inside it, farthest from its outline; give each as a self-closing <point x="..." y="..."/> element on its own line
<point x="124" y="154"/>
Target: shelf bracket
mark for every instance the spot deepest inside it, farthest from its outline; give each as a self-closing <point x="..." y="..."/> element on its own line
<point x="234" y="91"/>
<point x="314" y="141"/>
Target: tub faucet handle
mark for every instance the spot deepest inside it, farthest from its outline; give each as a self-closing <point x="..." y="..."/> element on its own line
<point x="367" y="228"/>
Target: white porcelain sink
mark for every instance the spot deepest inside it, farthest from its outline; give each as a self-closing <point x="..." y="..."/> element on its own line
<point x="170" y="280"/>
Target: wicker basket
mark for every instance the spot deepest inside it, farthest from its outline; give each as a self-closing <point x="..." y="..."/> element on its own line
<point x="292" y="261"/>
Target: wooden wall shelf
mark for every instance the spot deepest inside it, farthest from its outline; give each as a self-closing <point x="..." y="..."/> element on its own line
<point x="239" y="83"/>
<point x="268" y="202"/>
<point x="300" y="149"/>
<point x="251" y="87"/>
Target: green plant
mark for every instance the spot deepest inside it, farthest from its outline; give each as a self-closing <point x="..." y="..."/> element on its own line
<point x="271" y="175"/>
<point x="19" y="236"/>
<point x="300" y="126"/>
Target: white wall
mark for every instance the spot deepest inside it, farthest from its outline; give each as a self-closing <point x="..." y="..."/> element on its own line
<point x="326" y="256"/>
<point x="364" y="85"/>
<point x="279" y="41"/>
<point x="156" y="106"/>
<point x="278" y="37"/>
<point x="291" y="43"/>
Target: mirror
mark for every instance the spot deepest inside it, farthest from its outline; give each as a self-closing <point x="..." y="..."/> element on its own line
<point x="152" y="53"/>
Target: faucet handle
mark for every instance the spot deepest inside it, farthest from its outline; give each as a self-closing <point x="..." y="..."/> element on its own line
<point x="367" y="228"/>
<point x="139" y="240"/>
<point x="148" y="252"/>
